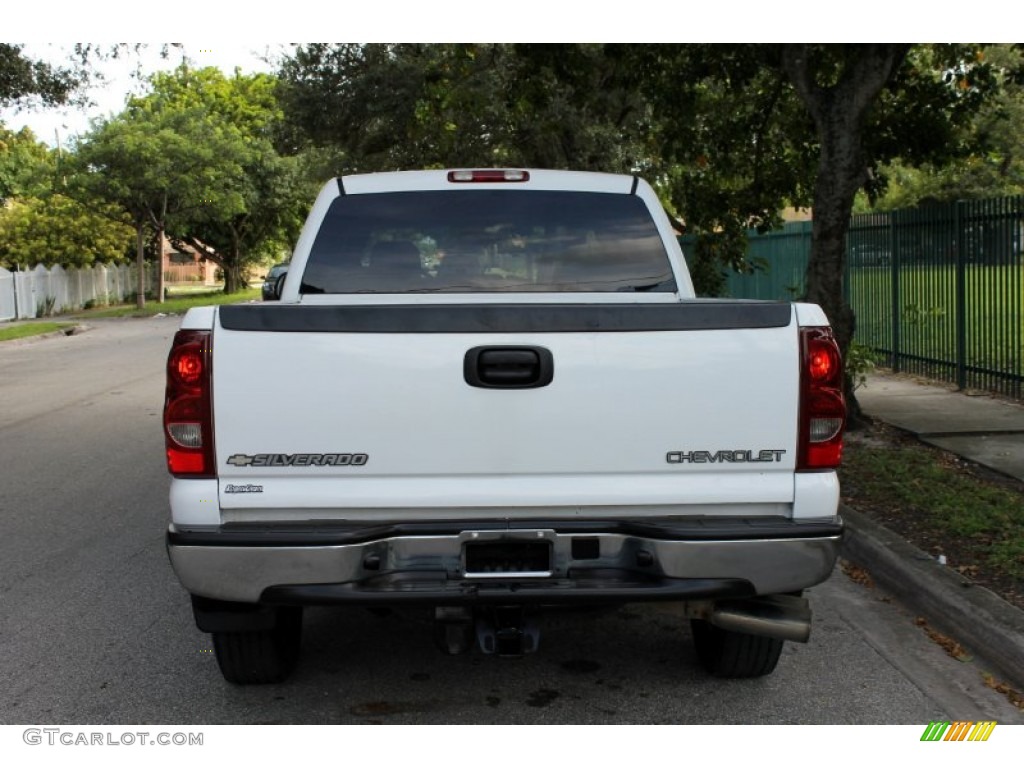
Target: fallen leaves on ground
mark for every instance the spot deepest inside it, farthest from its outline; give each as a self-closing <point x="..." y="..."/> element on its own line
<point x="948" y="644"/>
<point x="1013" y="696"/>
<point x="857" y="574"/>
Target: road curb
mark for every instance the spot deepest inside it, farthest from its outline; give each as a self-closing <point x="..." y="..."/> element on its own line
<point x="989" y="626"/>
<point x="72" y="330"/>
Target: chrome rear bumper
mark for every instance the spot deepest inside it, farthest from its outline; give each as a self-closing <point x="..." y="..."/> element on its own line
<point x="635" y="561"/>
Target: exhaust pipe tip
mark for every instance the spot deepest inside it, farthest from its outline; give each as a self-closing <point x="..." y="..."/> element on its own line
<point x="784" y="617"/>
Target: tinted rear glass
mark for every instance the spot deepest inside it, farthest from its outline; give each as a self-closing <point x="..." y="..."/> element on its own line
<point x="486" y="241"/>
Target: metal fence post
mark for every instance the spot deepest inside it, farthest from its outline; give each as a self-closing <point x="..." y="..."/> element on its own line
<point x="895" y="250"/>
<point x="961" y="298"/>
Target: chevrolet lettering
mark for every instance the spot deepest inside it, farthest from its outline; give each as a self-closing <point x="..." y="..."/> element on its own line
<point x="733" y="457"/>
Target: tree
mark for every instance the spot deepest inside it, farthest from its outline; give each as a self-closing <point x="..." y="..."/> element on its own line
<point x="60" y="230"/>
<point x="991" y="163"/>
<point x="159" y="163"/>
<point x="27" y="166"/>
<point x="258" y="211"/>
<point x="871" y="103"/>
<point x="731" y="147"/>
<point x="728" y="134"/>
<point x="838" y="86"/>
<point x="413" y="106"/>
<point x="273" y="198"/>
<point x="154" y="166"/>
<point x="719" y="149"/>
<point x="23" y="79"/>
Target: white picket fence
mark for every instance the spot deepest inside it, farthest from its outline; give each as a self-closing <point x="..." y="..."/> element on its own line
<point x="27" y="294"/>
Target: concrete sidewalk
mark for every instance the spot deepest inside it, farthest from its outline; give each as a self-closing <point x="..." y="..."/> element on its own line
<point x="980" y="428"/>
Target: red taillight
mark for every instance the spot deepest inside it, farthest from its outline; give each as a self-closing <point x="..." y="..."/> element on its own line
<point x="188" y="365"/>
<point x="188" y="406"/>
<point x="488" y="175"/>
<point x="822" y="406"/>
<point x="823" y="362"/>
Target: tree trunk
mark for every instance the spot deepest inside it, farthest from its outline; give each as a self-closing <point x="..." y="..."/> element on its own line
<point x="161" y="287"/>
<point x="840" y="174"/>
<point x="140" y="261"/>
<point x="159" y="225"/>
<point x="233" y="279"/>
<point x="838" y="110"/>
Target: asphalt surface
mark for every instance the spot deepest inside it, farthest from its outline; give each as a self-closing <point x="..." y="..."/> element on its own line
<point x="94" y="627"/>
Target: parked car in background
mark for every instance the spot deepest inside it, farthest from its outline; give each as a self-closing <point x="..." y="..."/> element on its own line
<point x="869" y="255"/>
<point x="273" y="281"/>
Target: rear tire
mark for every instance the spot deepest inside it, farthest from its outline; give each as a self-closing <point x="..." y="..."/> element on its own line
<point x="261" y="656"/>
<point x="725" y="653"/>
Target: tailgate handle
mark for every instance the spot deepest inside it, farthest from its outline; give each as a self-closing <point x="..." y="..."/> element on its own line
<point x="508" y="367"/>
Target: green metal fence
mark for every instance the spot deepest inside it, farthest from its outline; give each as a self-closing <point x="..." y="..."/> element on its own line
<point x="938" y="290"/>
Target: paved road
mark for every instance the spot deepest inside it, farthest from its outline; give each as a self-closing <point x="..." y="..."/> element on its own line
<point x="94" y="627"/>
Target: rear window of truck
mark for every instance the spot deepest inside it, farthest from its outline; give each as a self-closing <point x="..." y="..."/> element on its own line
<point x="482" y="241"/>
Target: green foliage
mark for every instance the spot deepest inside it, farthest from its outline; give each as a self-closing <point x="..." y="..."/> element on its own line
<point x="718" y="129"/>
<point x="915" y="314"/>
<point x="733" y="143"/>
<point x="918" y="489"/>
<point x="860" y="360"/>
<point x="256" y="215"/>
<point x="179" y="305"/>
<point x="24" y="330"/>
<point x="989" y="161"/>
<point x="45" y="305"/>
<point x="23" y="80"/>
<point x="60" y="230"/>
<point x="727" y="134"/>
<point x="104" y="300"/>
<point x="723" y="151"/>
<point x="928" y="320"/>
<point x="27" y="166"/>
<point x="196" y="158"/>
<point x="246" y="102"/>
<point x="389" y="107"/>
<point x="157" y="163"/>
<point x="925" y="113"/>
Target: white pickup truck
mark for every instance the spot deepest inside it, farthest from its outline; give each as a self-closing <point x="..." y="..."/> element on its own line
<point x="494" y="392"/>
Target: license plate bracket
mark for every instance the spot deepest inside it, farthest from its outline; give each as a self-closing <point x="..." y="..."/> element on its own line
<point x="507" y="558"/>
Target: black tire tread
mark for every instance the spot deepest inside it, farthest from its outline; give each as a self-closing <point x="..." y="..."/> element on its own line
<point x="729" y="654"/>
<point x="260" y="657"/>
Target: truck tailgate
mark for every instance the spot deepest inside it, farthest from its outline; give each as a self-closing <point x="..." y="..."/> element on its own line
<point x="330" y="423"/>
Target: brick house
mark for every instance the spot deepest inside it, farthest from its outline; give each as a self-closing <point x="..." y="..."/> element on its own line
<point x="186" y="266"/>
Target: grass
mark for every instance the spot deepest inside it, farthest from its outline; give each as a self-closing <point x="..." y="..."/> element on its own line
<point x="30" y="329"/>
<point x="177" y="306"/>
<point x="993" y="301"/>
<point x="942" y="504"/>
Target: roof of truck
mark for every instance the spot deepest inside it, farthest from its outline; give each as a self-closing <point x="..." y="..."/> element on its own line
<point x="518" y="178"/>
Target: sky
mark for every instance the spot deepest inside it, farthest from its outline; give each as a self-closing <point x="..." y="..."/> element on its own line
<point x="242" y="36"/>
<point x="122" y="77"/>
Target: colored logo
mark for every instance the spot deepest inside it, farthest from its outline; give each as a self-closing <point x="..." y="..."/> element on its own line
<point x="958" y="731"/>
